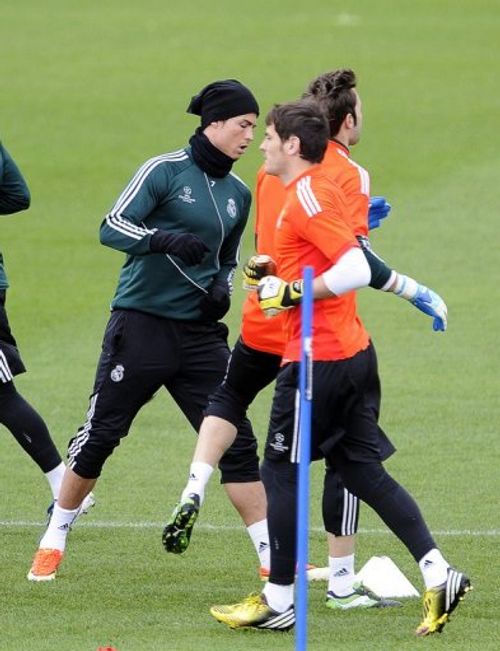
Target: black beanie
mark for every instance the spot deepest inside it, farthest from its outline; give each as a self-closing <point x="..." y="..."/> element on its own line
<point x="222" y="100"/>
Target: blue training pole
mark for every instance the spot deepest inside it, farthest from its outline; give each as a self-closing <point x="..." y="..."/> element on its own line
<point x="305" y="386"/>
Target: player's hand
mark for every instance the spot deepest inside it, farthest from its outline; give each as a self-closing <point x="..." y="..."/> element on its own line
<point x="377" y="211"/>
<point x="432" y="304"/>
<point x="216" y="302"/>
<point x="186" y="246"/>
<point x="276" y="295"/>
<point x="255" y="269"/>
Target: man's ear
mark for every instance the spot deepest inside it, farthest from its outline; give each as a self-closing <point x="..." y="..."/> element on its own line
<point x="349" y="121"/>
<point x="292" y="145"/>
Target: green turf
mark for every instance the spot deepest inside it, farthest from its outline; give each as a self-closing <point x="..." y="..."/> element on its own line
<point x="89" y="91"/>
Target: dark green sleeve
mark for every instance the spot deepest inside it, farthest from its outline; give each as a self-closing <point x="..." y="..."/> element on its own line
<point x="380" y="271"/>
<point x="14" y="193"/>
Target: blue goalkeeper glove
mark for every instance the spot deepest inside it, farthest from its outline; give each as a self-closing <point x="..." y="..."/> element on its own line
<point x="432" y="304"/>
<point x="276" y="295"/>
<point x="377" y="211"/>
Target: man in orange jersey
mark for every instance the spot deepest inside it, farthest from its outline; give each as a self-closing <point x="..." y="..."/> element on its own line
<point x="312" y="230"/>
<point x="257" y="354"/>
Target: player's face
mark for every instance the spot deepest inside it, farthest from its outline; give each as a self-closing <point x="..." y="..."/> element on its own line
<point x="355" y="133"/>
<point x="273" y="150"/>
<point x="232" y="136"/>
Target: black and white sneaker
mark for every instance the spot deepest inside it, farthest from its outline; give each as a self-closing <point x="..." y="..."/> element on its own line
<point x="441" y="601"/>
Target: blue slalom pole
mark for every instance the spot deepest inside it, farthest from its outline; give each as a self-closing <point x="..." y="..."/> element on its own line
<point x="305" y="386"/>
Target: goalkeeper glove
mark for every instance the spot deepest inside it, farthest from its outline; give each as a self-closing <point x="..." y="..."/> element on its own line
<point x="276" y="295"/>
<point x="432" y="304"/>
<point x="255" y="269"/>
<point x="377" y="211"/>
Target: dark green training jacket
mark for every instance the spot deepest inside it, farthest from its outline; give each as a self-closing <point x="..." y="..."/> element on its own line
<point x="172" y="193"/>
<point x="14" y="196"/>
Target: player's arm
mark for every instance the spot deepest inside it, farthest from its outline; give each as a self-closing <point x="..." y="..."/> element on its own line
<point x="14" y="192"/>
<point x="124" y="227"/>
<point x="217" y="301"/>
<point x="388" y="280"/>
<point x="350" y="272"/>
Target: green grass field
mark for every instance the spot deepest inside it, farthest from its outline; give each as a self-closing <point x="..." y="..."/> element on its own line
<point x="89" y="91"/>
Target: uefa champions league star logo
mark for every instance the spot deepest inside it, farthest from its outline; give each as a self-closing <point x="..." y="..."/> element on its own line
<point x="117" y="373"/>
<point x="232" y="211"/>
<point x="277" y="444"/>
<point x="186" y="197"/>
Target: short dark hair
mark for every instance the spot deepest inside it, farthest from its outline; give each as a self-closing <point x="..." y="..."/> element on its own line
<point x="305" y="120"/>
<point x="334" y="91"/>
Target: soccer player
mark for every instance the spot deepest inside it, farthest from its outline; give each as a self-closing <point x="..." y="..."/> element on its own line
<point x="18" y="416"/>
<point x="256" y="357"/>
<point x="312" y="230"/>
<point x="179" y="221"/>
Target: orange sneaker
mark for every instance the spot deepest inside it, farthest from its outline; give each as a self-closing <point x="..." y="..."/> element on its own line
<point x="45" y="564"/>
<point x="265" y="571"/>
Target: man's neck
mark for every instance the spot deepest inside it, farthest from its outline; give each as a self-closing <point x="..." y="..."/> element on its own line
<point x="295" y="169"/>
<point x="342" y="137"/>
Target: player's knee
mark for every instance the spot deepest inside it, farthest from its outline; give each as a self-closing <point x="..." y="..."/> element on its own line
<point x="240" y="464"/>
<point x="228" y="404"/>
<point x="89" y="459"/>
<point x="278" y="473"/>
<point x="366" y="479"/>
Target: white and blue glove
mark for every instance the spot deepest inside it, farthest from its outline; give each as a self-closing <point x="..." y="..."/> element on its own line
<point x="432" y="304"/>
<point x="378" y="209"/>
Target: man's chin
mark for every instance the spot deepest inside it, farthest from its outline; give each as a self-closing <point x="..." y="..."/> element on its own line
<point x="268" y="169"/>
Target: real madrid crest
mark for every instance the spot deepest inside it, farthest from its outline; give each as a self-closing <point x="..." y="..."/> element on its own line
<point x="117" y="373"/>
<point x="232" y="211"/>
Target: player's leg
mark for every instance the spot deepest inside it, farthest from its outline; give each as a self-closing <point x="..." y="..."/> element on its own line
<point x="274" y="609"/>
<point x="30" y="431"/>
<point x="124" y="382"/>
<point x="340" y="517"/>
<point x="203" y="370"/>
<point x="18" y="416"/>
<point x="358" y="460"/>
<point x="249" y="371"/>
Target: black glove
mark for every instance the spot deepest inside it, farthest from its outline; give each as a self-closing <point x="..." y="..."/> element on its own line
<point x="215" y="304"/>
<point x="186" y="246"/>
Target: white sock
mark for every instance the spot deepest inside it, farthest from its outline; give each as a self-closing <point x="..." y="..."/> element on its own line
<point x="434" y="568"/>
<point x="278" y="597"/>
<point x="259" y="534"/>
<point x="199" y="474"/>
<point x="55" y="477"/>
<point x="342" y="575"/>
<point x="58" y="529"/>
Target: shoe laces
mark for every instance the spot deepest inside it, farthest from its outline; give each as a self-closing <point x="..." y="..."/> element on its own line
<point x="254" y="599"/>
<point x="362" y="590"/>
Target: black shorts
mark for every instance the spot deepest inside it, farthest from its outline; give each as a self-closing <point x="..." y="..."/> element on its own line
<point x="11" y="363"/>
<point x="140" y="354"/>
<point x="248" y="373"/>
<point x="345" y="410"/>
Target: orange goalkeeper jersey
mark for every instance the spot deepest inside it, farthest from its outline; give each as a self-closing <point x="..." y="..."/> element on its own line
<point x="258" y="331"/>
<point x="312" y="229"/>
